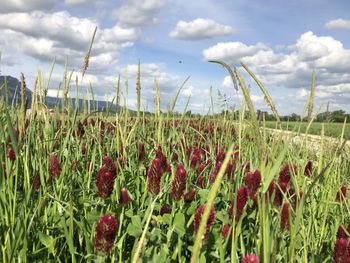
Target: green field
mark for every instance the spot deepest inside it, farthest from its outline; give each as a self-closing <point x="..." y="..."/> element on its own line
<point x="330" y="129"/>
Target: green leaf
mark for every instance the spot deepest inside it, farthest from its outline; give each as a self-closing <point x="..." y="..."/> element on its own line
<point x="135" y="228"/>
<point x="48" y="242"/>
<point x="203" y="194"/>
<point x="179" y="224"/>
<point x="167" y="219"/>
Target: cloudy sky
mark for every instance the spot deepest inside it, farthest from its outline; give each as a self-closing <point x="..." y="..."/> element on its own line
<point x="281" y="41"/>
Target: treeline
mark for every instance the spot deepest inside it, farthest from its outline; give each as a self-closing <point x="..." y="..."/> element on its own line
<point x="333" y="116"/>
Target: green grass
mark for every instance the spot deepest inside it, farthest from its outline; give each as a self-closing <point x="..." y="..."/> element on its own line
<point x="330" y="129"/>
<point x="57" y="220"/>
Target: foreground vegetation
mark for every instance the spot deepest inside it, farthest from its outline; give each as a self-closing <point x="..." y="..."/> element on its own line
<point x="86" y="186"/>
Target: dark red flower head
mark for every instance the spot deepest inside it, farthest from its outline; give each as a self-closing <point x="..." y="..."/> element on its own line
<point x="252" y="181"/>
<point x="285" y="216"/>
<point x="341" y="194"/>
<point x="164" y="210"/>
<point x="308" y="169"/>
<point x="341" y="233"/>
<point x="154" y="176"/>
<point x="104" y="182"/>
<point x="341" y="251"/>
<point x="11" y="154"/>
<point x="124" y="197"/>
<point x="279" y="191"/>
<point x="200" y="181"/>
<point x="190" y="195"/>
<point x="106" y="230"/>
<point x="251" y="258"/>
<point x="286" y="172"/>
<point x="83" y="149"/>
<point x="212" y="177"/>
<point x="178" y="185"/>
<point x="225" y="231"/>
<point x="142" y="152"/>
<point x="55" y="166"/>
<point x="195" y="160"/>
<point x="36" y="182"/>
<point x="109" y="164"/>
<point x="241" y="201"/>
<point x="198" y="217"/>
<point x="201" y="168"/>
<point x="231" y="167"/>
<point x="220" y="156"/>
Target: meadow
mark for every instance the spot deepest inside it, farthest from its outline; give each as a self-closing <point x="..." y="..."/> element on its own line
<point x="331" y="129"/>
<point x="89" y="186"/>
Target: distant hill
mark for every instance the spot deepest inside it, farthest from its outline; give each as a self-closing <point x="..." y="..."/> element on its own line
<point x="14" y="91"/>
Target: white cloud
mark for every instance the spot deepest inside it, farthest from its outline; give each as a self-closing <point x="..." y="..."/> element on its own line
<point x="293" y="68"/>
<point x="7" y="6"/>
<point x="187" y="91"/>
<point x="138" y="13"/>
<point x="231" y="52"/>
<point x="200" y="29"/>
<point x="77" y="2"/>
<point x="338" y="24"/>
<point x="302" y="93"/>
<point x="45" y="36"/>
<point x="227" y="82"/>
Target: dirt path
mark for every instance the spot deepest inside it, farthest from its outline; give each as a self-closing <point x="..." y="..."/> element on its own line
<point x="315" y="140"/>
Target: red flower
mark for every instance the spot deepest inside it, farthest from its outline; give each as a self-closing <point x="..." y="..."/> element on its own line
<point x="109" y="164"/>
<point x="190" y="195"/>
<point x="55" y="166"/>
<point x="285" y="216"/>
<point x="341" y="233"/>
<point x="286" y="172"/>
<point x="241" y="201"/>
<point x="83" y="149"/>
<point x="164" y="210"/>
<point x="252" y="181"/>
<point x="200" y="181"/>
<point x="246" y="167"/>
<point x="178" y="185"/>
<point x="124" y="197"/>
<point x="251" y="258"/>
<point x="175" y="157"/>
<point x="36" y="182"/>
<point x="341" y="251"/>
<point x="231" y="167"/>
<point x="279" y="191"/>
<point x="271" y="189"/>
<point x="341" y="194"/>
<point x="142" y="151"/>
<point x="225" y="231"/>
<point x="106" y="230"/>
<point x="308" y="169"/>
<point x="104" y="182"/>
<point x="163" y="160"/>
<point x="220" y="156"/>
<point x="201" y="168"/>
<point x="154" y="175"/>
<point x="195" y="160"/>
<point x="11" y="154"/>
<point x="212" y="177"/>
<point x="198" y="217"/>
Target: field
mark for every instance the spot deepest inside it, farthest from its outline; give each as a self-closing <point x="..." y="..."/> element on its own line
<point x="330" y="129"/>
<point x="85" y="186"/>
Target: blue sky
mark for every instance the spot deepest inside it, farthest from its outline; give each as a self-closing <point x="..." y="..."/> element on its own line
<point x="281" y="41"/>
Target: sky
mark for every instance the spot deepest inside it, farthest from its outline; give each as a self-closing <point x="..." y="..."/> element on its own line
<point x="280" y="41"/>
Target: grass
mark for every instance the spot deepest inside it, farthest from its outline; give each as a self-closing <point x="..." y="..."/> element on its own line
<point x="330" y="129"/>
<point x="63" y="179"/>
